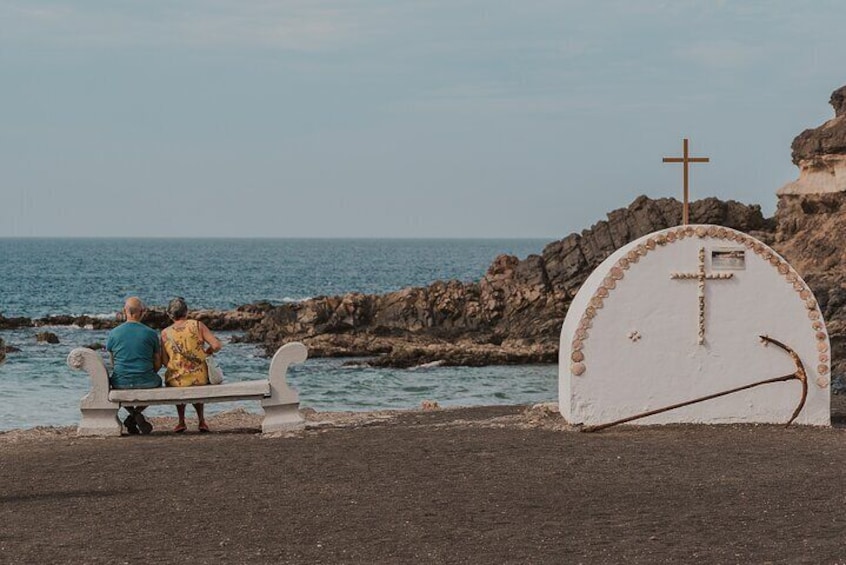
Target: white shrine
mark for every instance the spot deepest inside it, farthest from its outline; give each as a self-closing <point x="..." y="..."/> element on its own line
<point x="678" y="315"/>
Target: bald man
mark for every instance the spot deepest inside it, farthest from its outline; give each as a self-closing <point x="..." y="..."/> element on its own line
<point x="136" y="356"/>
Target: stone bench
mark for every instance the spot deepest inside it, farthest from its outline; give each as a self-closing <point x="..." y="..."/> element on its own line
<point x="100" y="406"/>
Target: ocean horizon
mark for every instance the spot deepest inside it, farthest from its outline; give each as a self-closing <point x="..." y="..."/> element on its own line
<point x="92" y="276"/>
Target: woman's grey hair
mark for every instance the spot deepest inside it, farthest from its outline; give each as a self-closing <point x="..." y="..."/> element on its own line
<point x="177" y="309"/>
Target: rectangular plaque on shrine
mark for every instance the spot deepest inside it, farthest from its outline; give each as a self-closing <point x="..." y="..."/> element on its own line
<point x="728" y="259"/>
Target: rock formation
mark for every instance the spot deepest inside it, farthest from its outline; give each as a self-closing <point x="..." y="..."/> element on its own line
<point x="820" y="154"/>
<point x="809" y="233"/>
<point x="512" y="315"/>
<point x="239" y="319"/>
<point x="14" y="323"/>
<point x="811" y="215"/>
<point x="47" y="337"/>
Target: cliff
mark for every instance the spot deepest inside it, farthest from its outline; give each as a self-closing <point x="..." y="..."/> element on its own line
<point x="810" y="234"/>
<point x="820" y="154"/>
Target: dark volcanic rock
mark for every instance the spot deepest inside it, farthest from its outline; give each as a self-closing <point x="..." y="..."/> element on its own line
<point x="838" y="101"/>
<point x="569" y="262"/>
<point x="512" y="315"/>
<point x="14" y="323"/>
<point x="827" y="139"/>
<point x="95" y="346"/>
<point x="219" y="320"/>
<point x="47" y="337"/>
<point x="156" y="318"/>
<point x="256" y="308"/>
<point x="810" y="235"/>
<point x="241" y="319"/>
<point x="810" y="219"/>
<point x="79" y="321"/>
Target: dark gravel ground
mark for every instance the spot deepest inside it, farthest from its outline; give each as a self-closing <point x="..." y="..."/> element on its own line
<point x="476" y="485"/>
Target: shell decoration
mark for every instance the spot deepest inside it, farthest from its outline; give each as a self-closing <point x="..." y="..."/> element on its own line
<point x="791" y="277"/>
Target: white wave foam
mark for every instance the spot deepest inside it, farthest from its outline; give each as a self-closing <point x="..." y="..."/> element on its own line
<point x="289" y="300"/>
<point x="430" y="365"/>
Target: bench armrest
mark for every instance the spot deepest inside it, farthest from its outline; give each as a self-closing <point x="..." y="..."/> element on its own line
<point x="284" y="357"/>
<point x="84" y="359"/>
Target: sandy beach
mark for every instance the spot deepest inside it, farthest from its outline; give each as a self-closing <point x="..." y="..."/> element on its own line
<point x="470" y="485"/>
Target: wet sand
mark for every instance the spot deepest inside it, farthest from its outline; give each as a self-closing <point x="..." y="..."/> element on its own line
<point x="471" y="485"/>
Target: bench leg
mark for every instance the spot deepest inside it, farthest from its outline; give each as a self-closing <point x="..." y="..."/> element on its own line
<point x="99" y="422"/>
<point x="281" y="417"/>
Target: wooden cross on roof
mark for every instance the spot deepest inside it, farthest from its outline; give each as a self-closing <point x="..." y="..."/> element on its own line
<point x="686" y="159"/>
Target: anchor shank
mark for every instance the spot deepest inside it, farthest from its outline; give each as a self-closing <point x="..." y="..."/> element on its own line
<point x="590" y="429"/>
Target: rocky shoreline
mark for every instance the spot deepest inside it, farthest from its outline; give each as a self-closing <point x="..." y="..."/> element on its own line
<point x="513" y="315"/>
<point x="240" y="319"/>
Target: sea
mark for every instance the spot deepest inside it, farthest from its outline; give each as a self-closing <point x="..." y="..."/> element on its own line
<point x="41" y="277"/>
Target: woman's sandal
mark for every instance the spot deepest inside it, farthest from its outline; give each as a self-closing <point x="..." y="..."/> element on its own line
<point x="180" y="428"/>
<point x="203" y="427"/>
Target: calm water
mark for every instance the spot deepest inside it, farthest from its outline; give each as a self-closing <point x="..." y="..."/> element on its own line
<point x="39" y="277"/>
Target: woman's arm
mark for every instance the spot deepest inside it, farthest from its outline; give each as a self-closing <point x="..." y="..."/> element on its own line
<point x="208" y="337"/>
<point x="165" y="359"/>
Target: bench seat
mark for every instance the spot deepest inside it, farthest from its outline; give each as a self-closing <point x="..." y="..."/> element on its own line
<point x="246" y="390"/>
<point x="100" y="406"/>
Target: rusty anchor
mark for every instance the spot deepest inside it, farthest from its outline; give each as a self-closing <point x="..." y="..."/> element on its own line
<point x="799" y="375"/>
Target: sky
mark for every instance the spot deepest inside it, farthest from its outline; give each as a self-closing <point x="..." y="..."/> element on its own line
<point x="387" y="118"/>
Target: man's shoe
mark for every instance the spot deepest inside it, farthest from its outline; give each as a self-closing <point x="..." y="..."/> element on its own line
<point x="144" y="426"/>
<point x="131" y="426"/>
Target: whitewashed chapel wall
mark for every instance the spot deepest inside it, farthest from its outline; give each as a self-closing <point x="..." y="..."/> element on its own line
<point x="630" y="342"/>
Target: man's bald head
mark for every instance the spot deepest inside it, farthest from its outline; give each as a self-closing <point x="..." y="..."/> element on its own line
<point x="134" y="308"/>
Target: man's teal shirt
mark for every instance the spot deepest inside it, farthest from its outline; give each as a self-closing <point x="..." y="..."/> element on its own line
<point x="132" y="344"/>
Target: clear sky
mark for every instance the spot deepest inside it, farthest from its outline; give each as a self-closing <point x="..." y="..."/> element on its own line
<point x="387" y="118"/>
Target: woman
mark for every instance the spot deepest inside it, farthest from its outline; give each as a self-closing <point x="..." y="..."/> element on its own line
<point x="185" y="345"/>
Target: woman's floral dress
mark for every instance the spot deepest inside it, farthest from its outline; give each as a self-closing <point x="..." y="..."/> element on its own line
<point x="187" y="363"/>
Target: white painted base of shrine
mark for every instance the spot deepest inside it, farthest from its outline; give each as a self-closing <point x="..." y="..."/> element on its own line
<point x="630" y="341"/>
